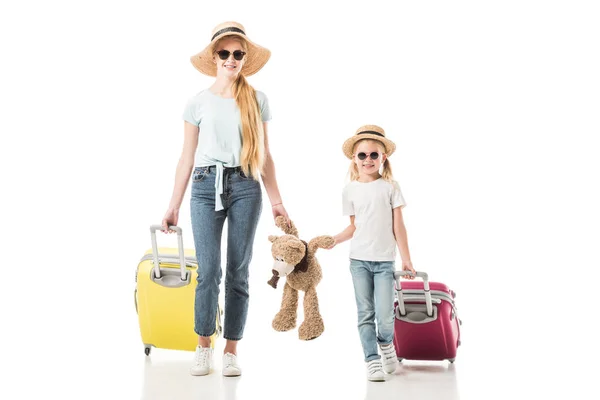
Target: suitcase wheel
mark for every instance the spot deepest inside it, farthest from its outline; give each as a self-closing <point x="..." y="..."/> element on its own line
<point x="451" y="360"/>
<point x="400" y="359"/>
<point x="147" y="350"/>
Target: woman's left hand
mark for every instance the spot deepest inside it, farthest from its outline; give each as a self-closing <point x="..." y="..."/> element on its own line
<point x="278" y="210"/>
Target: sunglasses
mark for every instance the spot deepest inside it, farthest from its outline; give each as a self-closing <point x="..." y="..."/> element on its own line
<point x="362" y="156"/>
<point x="224" y="54"/>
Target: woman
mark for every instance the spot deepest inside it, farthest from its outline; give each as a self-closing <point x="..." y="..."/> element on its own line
<point x="226" y="146"/>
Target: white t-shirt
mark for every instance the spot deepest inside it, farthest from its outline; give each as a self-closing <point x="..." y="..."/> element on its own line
<point x="372" y="203"/>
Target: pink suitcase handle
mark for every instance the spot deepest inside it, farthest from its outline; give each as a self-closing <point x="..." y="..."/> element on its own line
<point x="425" y="277"/>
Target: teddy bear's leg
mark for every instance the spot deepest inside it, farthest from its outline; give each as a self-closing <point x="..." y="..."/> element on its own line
<point x="286" y="317"/>
<point x="313" y="326"/>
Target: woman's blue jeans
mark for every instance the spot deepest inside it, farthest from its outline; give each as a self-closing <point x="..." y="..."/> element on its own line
<point x="242" y="202"/>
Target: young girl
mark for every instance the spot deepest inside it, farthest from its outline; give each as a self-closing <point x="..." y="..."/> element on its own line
<point x="225" y="150"/>
<point x="374" y="203"/>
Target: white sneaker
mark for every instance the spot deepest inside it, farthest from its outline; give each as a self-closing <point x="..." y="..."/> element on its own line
<point x="389" y="358"/>
<point x="230" y="365"/>
<point x="202" y="361"/>
<point x="374" y="371"/>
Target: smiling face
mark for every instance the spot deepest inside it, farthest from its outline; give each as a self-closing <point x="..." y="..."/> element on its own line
<point x="230" y="67"/>
<point x="369" y="166"/>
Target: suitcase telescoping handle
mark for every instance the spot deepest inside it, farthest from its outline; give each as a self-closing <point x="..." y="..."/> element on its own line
<point x="153" y="229"/>
<point x="425" y="277"/>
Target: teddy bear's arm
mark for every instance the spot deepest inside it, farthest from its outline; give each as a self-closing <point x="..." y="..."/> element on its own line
<point x="323" y="242"/>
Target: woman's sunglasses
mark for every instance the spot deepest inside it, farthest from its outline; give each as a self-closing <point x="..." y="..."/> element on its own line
<point x="362" y="156"/>
<point x="224" y="54"/>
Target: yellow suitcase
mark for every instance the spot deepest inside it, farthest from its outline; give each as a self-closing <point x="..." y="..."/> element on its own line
<point x="164" y="296"/>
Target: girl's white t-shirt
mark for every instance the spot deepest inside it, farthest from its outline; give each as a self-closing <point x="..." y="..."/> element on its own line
<point x="372" y="203"/>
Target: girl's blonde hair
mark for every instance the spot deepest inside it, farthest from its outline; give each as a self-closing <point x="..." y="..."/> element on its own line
<point x="253" y="136"/>
<point x="387" y="168"/>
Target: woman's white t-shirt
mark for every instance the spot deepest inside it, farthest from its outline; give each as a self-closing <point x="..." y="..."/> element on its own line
<point x="372" y="203"/>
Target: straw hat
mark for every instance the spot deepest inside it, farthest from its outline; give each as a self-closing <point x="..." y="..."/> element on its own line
<point x="256" y="58"/>
<point x="368" y="132"/>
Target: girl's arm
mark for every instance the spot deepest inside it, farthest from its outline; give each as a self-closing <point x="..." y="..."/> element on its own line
<point x="345" y="234"/>
<point x="270" y="181"/>
<point x="402" y="240"/>
<point x="182" y="175"/>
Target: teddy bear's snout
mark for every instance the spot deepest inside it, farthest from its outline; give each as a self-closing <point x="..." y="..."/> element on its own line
<point x="281" y="268"/>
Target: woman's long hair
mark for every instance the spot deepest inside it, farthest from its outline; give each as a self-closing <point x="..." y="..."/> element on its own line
<point x="386" y="174"/>
<point x="253" y="136"/>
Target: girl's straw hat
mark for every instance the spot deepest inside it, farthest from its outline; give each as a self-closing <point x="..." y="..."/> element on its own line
<point x="256" y="58"/>
<point x="373" y="132"/>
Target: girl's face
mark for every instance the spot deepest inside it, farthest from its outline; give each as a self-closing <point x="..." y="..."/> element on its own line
<point x="368" y="157"/>
<point x="235" y="57"/>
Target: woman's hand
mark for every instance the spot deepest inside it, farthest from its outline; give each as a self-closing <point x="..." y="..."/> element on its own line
<point x="279" y="209"/>
<point x="171" y="217"/>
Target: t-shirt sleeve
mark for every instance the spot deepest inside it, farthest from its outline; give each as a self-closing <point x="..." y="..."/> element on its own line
<point x="347" y="206"/>
<point x="397" y="199"/>
<point x="190" y="112"/>
<point x="263" y="104"/>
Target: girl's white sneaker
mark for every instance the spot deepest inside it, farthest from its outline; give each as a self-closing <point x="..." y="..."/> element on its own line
<point x="374" y="371"/>
<point x="389" y="358"/>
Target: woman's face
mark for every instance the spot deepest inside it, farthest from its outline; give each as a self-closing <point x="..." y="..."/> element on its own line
<point x="230" y="66"/>
<point x="372" y="156"/>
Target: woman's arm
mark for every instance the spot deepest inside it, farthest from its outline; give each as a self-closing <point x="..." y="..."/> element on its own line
<point x="402" y="240"/>
<point x="270" y="181"/>
<point x="182" y="174"/>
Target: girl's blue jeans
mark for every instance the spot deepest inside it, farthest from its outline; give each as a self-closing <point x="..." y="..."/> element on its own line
<point x="374" y="292"/>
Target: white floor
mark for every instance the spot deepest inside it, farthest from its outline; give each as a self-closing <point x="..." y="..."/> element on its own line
<point x="504" y="354"/>
<point x="165" y="379"/>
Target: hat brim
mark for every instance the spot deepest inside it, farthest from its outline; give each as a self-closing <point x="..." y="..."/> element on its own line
<point x="256" y="58"/>
<point x="348" y="145"/>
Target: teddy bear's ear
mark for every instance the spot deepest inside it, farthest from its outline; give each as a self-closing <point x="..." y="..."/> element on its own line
<point x="272" y="238"/>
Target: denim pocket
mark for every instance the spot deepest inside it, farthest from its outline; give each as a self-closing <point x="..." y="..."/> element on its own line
<point x="199" y="174"/>
<point x="243" y="175"/>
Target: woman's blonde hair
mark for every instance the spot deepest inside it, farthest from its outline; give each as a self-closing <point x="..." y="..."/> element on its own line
<point x="387" y="168"/>
<point x="253" y="136"/>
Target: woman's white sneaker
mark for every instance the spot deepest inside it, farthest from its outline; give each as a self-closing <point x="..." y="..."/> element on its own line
<point x="389" y="358"/>
<point x="230" y="365"/>
<point x="202" y="361"/>
<point x="374" y="371"/>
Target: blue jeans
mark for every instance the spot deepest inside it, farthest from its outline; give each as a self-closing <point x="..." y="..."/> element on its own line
<point x="374" y="292"/>
<point x="242" y="202"/>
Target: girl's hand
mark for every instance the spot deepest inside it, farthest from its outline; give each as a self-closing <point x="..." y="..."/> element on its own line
<point x="279" y="209"/>
<point x="407" y="266"/>
<point x="171" y="217"/>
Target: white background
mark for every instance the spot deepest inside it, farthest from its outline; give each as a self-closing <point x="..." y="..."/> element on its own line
<point x="494" y="109"/>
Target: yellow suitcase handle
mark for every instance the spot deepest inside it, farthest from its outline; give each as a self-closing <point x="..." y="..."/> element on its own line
<point x="153" y="229"/>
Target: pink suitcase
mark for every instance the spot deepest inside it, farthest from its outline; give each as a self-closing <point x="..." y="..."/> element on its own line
<point x="426" y="326"/>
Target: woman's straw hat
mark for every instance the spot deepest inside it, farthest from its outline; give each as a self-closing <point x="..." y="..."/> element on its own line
<point x="256" y="58"/>
<point x="373" y="132"/>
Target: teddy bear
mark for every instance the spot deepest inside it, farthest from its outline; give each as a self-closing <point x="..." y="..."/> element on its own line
<point x="295" y="260"/>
